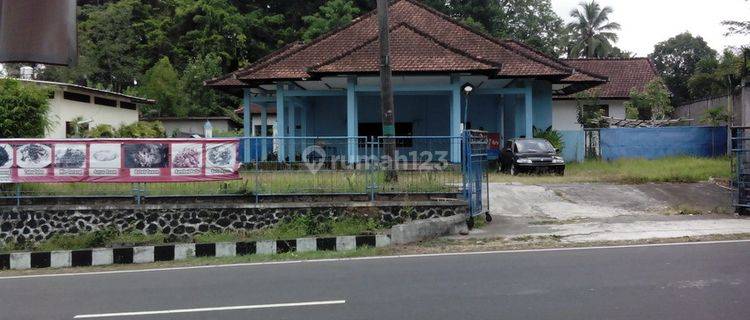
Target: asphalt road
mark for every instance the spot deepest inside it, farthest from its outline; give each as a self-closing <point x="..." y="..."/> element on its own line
<point x="696" y="281"/>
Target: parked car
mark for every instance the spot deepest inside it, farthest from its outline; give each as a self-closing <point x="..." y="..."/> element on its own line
<point x="531" y="155"/>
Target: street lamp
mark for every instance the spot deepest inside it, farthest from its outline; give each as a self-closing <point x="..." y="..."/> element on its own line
<point x="467" y="89"/>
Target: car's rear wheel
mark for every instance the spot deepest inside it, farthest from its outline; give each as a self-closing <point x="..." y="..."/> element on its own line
<point x="560" y="172"/>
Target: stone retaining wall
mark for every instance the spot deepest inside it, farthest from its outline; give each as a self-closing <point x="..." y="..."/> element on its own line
<point x="36" y="223"/>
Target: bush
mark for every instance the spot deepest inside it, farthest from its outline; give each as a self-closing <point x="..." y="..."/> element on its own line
<point x="23" y="110"/>
<point x="553" y="136"/>
<point x="102" y="131"/>
<point x="85" y="240"/>
<point x="142" y="129"/>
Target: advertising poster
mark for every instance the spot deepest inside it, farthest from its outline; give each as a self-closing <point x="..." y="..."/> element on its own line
<point x="118" y="160"/>
<point x="6" y="162"/>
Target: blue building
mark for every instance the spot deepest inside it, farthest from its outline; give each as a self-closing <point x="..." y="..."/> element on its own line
<point x="329" y="87"/>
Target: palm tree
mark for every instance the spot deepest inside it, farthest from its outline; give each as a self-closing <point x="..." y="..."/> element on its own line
<point x="592" y="32"/>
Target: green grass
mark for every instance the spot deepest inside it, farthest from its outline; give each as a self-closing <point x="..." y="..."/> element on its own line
<point x="633" y="171"/>
<point x="268" y="182"/>
<point x="298" y="227"/>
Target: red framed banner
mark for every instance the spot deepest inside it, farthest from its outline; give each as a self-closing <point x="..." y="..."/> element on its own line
<point x="118" y="160"/>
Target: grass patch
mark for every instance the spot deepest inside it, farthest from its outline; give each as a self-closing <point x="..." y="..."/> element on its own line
<point x="267" y="182"/>
<point x="633" y="171"/>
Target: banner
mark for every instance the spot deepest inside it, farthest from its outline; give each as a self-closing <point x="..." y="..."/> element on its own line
<point x="118" y="160"/>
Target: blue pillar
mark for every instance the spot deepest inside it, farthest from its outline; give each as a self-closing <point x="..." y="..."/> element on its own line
<point x="501" y="119"/>
<point x="292" y="132"/>
<point x="264" y="132"/>
<point x="281" y="122"/>
<point x="455" y="120"/>
<point x="352" y="121"/>
<point x="529" y="112"/>
<point x="246" y="124"/>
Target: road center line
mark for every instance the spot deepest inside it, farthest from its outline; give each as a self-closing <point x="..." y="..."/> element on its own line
<point x="228" y="308"/>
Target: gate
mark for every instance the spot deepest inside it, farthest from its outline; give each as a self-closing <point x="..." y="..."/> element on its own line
<point x="741" y="169"/>
<point x="476" y="182"/>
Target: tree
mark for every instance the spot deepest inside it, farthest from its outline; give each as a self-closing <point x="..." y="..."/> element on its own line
<point x="593" y="33"/>
<point x="201" y="101"/>
<point x="737" y="27"/>
<point x="333" y="14"/>
<point x="716" y="77"/>
<point x="651" y="104"/>
<point x="23" y="110"/>
<point x="108" y="41"/>
<point x="162" y="84"/>
<point x="588" y="112"/>
<point x="677" y="59"/>
<point x="530" y="21"/>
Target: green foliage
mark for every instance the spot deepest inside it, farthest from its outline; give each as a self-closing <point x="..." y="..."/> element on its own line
<point x="553" y="136"/>
<point x="333" y="14"/>
<point x="142" y="129"/>
<point x="588" y="112"/>
<point x="716" y="77"/>
<point x="678" y="59"/>
<point x="533" y="22"/>
<point x="651" y="104"/>
<point x="162" y="84"/>
<point x="83" y="240"/>
<point x="102" y="131"/>
<point x="201" y="101"/>
<point x="592" y="32"/>
<point x="715" y="117"/>
<point x="23" y="110"/>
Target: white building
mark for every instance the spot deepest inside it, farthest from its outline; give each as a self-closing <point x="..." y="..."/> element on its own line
<point x="69" y="102"/>
<point x="624" y="76"/>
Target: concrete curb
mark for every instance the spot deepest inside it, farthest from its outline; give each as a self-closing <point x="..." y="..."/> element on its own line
<point x="172" y="252"/>
<point x="416" y="231"/>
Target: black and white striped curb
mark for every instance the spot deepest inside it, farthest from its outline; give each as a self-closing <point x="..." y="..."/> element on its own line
<point x="171" y="252"/>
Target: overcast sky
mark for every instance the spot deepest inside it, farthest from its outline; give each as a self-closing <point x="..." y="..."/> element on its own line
<point x="647" y="22"/>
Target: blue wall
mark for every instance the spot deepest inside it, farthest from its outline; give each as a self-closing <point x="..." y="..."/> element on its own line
<point x="575" y="145"/>
<point x="653" y="143"/>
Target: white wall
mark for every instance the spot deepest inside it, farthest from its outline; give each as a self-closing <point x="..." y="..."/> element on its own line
<point x="565" y="115"/>
<point x="193" y="126"/>
<point x="62" y="110"/>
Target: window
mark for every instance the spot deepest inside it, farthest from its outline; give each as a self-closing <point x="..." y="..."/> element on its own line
<point x="257" y="131"/>
<point x="73" y="96"/>
<point x="127" y="105"/>
<point x="70" y="129"/>
<point x="105" y="102"/>
<point x="375" y="129"/>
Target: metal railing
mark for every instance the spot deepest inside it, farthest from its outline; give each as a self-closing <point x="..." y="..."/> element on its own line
<point x="311" y="166"/>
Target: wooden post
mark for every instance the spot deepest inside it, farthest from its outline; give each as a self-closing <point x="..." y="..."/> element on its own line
<point x="386" y="91"/>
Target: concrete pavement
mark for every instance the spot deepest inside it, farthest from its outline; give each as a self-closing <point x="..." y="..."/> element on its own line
<point x="684" y="281"/>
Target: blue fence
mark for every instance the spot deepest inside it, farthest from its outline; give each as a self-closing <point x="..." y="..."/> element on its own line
<point x="654" y="143"/>
<point x="575" y="148"/>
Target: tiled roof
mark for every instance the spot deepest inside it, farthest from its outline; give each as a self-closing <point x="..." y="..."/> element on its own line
<point x="433" y="55"/>
<point x="624" y="75"/>
<point x="427" y="34"/>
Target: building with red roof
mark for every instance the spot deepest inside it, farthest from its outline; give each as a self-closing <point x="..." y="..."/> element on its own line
<point x="330" y="87"/>
<point x="624" y="76"/>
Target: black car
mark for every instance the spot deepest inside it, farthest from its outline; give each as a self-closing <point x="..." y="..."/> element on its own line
<point x="530" y="155"/>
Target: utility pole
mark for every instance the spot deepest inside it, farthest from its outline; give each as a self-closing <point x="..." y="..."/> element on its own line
<point x="386" y="92"/>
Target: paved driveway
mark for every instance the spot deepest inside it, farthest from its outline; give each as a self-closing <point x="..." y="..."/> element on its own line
<point x="603" y="212"/>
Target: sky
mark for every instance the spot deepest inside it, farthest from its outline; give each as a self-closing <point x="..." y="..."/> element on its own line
<point x="647" y="22"/>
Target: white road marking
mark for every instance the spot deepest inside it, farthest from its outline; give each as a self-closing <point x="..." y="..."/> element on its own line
<point x="229" y="308"/>
<point x="428" y="255"/>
